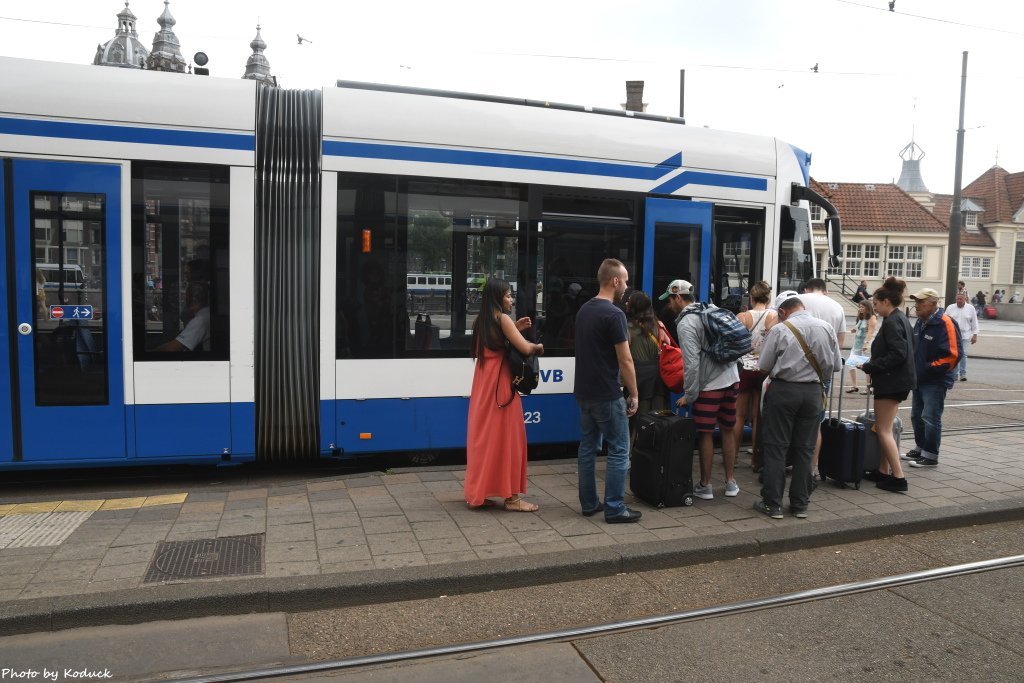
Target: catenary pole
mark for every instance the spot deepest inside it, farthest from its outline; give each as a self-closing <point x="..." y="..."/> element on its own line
<point x="956" y="217"/>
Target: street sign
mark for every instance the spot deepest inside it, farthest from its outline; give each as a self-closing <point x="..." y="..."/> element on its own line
<point x="71" y="312"/>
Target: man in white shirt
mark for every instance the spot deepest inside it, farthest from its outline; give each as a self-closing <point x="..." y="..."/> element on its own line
<point x="967" y="318"/>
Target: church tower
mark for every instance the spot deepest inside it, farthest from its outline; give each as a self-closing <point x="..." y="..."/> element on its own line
<point x="257" y="67"/>
<point x="124" y="49"/>
<point x="166" y="54"/>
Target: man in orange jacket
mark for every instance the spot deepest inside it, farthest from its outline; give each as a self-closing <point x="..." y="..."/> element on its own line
<point x="936" y="354"/>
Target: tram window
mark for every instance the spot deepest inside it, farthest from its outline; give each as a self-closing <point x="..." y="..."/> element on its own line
<point x="736" y="263"/>
<point x="70" y="353"/>
<point x="576" y="234"/>
<point x="401" y="297"/>
<point x="180" y="262"/>
<point x="796" y="253"/>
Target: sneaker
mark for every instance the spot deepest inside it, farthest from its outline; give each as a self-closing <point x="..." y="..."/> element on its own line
<point x="591" y="513"/>
<point x="704" y="491"/>
<point x="799" y="513"/>
<point x="732" y="488"/>
<point x="875" y="476"/>
<point x="893" y="484"/>
<point x="912" y="454"/>
<point x="626" y="517"/>
<point x="771" y="510"/>
<point x="924" y="462"/>
<point x="963" y="378"/>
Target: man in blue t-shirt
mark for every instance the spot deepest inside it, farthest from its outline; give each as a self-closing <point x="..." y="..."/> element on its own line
<point x="603" y="366"/>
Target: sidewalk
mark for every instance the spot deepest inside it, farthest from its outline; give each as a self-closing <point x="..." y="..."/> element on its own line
<point x="334" y="541"/>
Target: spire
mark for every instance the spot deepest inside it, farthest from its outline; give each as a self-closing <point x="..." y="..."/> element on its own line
<point x="166" y="54"/>
<point x="910" y="177"/>
<point x="257" y="68"/>
<point x="124" y="49"/>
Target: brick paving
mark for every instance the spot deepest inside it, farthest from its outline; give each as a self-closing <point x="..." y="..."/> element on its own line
<point x="415" y="518"/>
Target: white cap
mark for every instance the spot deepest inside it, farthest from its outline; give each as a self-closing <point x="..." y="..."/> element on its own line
<point x="676" y="287"/>
<point x="788" y="294"/>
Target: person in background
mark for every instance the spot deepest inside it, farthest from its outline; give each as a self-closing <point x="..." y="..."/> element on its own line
<point x="644" y="349"/>
<point x="672" y="296"/>
<point x="759" y="320"/>
<point x="603" y="367"/>
<point x="980" y="298"/>
<point x="196" y="334"/>
<point x="862" y="292"/>
<point x="710" y="388"/>
<point x="1016" y="298"/>
<point x="936" y="354"/>
<point x="792" y="404"/>
<point x="496" y="435"/>
<point x="864" y="334"/>
<point x="967" y="320"/>
<point x="892" y="373"/>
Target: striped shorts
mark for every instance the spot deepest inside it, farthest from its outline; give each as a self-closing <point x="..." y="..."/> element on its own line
<point x="715" y="407"/>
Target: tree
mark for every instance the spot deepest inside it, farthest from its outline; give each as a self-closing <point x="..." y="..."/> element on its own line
<point x="429" y="241"/>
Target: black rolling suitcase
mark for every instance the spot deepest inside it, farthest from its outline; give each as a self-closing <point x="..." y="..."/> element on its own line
<point x="842" y="445"/>
<point x="872" y="455"/>
<point x="661" y="470"/>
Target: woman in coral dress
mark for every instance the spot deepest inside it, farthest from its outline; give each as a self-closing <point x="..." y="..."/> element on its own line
<point x="496" y="439"/>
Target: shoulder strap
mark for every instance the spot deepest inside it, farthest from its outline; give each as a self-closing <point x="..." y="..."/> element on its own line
<point x="807" y="351"/>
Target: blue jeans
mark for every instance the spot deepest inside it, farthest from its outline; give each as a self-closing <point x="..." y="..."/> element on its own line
<point x="603" y="421"/>
<point x="926" y="415"/>
<point x="961" y="367"/>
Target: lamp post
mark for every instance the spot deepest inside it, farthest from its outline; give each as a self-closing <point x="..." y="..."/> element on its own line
<point x="956" y="217"/>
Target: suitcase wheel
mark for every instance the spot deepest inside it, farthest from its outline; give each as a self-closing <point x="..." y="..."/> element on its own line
<point x="688" y="501"/>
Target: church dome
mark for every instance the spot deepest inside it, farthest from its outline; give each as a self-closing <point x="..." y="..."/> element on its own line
<point x="124" y="49"/>
<point x="257" y="67"/>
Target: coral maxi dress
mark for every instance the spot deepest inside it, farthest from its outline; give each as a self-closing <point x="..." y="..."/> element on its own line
<point x="496" y="438"/>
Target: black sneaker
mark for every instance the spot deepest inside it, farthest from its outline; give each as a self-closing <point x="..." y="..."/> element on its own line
<point x="626" y="517"/>
<point x="772" y="511"/>
<point x="875" y="476"/>
<point x="893" y="484"/>
<point x="912" y="454"/>
<point x="963" y="378"/>
<point x="799" y="513"/>
<point x="591" y="513"/>
<point x="924" y="462"/>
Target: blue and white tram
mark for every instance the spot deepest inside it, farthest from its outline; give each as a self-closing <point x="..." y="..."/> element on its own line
<point x="246" y="255"/>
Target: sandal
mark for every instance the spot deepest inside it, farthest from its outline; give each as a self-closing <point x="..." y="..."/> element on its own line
<point x="517" y="504"/>
<point x="486" y="504"/>
<point x="854" y="390"/>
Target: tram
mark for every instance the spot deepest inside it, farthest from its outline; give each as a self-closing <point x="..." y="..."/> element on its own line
<point x="239" y="261"/>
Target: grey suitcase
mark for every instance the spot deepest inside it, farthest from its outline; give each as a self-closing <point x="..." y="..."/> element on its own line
<point x="872" y="456"/>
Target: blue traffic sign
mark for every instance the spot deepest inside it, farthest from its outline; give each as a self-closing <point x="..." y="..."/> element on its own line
<point x="71" y="313"/>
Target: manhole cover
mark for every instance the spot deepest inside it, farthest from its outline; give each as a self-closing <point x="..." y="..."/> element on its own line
<point x="207" y="558"/>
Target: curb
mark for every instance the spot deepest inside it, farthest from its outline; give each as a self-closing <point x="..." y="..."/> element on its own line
<point x="297" y="594"/>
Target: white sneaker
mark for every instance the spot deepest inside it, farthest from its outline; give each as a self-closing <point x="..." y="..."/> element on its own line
<point x="704" y="492"/>
<point x="732" y="488"/>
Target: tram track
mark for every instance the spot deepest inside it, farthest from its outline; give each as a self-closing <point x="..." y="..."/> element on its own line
<point x="622" y="626"/>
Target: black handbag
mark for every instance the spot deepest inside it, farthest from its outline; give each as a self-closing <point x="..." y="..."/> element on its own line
<point x="525" y="374"/>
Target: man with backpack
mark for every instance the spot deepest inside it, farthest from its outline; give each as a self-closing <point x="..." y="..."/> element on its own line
<point x="711" y="346"/>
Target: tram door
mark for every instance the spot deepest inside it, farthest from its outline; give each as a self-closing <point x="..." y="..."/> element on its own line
<point x="63" y="267"/>
<point x="677" y="241"/>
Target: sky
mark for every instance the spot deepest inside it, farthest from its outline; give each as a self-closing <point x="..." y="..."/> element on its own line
<point x="884" y="78"/>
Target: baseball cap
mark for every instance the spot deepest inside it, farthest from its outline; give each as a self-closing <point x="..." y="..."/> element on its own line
<point x="788" y="294"/>
<point x="676" y="287"/>
<point x="925" y="293"/>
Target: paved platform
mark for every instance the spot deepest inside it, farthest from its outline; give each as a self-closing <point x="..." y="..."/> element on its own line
<point x="344" y="540"/>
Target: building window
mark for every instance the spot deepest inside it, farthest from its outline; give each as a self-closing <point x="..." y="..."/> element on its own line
<point x="1018" y="264"/>
<point x="872" y="255"/>
<point x="815" y="213"/>
<point x="971" y="221"/>
<point x="852" y="259"/>
<point x="905" y="260"/>
<point x="976" y="267"/>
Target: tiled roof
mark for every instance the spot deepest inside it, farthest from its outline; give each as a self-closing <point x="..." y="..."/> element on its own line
<point x="878" y="207"/>
<point x="943" y="209"/>
<point x="991" y="188"/>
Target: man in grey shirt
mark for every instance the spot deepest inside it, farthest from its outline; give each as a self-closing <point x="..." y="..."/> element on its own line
<point x="792" y="405"/>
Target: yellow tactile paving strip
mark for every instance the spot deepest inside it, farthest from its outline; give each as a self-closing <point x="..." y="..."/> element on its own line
<point x="91" y="505"/>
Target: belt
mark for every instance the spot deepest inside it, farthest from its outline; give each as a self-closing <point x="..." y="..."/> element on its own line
<point x="788" y="381"/>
